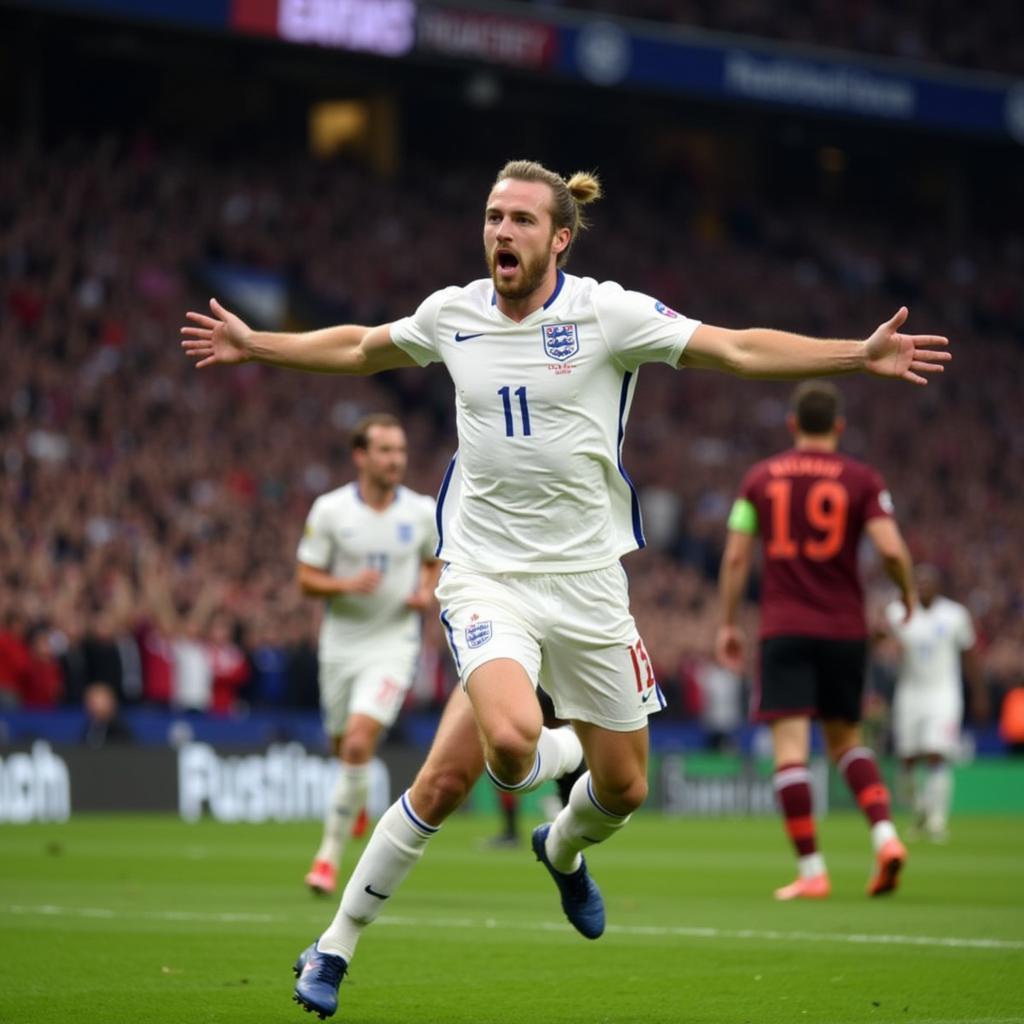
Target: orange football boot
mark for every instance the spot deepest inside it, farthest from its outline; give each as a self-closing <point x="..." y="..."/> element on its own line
<point x="817" y="887"/>
<point x="888" y="863"/>
<point x="322" y="877"/>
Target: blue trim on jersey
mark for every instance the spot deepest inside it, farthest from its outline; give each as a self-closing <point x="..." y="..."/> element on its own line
<point x="558" y="288"/>
<point x="440" y="503"/>
<point x="451" y="640"/>
<point x="415" y="820"/>
<point x="638" y="526"/>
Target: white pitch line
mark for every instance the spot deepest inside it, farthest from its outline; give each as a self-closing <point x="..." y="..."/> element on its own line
<point x="656" y="931"/>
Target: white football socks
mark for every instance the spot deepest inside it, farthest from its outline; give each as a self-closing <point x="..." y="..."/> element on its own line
<point x="558" y="751"/>
<point x="345" y="803"/>
<point x="937" y="796"/>
<point x="396" y="845"/>
<point x="810" y="865"/>
<point x="581" y="823"/>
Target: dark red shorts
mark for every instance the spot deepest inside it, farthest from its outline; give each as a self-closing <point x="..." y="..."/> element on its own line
<point x="810" y="675"/>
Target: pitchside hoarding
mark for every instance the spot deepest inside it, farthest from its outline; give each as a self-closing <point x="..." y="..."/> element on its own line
<point x="284" y="782"/>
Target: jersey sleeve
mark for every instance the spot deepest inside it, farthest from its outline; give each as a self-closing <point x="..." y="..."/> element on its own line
<point x="639" y="329"/>
<point x="877" y="499"/>
<point x="416" y="335"/>
<point x="315" y="547"/>
<point x="743" y="517"/>
<point x="428" y="546"/>
<point x="966" y="638"/>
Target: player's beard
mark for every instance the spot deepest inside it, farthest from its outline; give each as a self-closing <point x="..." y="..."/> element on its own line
<point x="532" y="272"/>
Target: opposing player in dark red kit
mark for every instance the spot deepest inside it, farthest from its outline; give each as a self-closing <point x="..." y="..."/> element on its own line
<point x="810" y="506"/>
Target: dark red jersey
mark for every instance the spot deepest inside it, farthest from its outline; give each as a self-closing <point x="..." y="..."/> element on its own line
<point x="811" y="508"/>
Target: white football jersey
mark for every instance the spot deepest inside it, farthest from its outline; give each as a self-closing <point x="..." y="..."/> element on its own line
<point x="931" y="642"/>
<point x="343" y="536"/>
<point x="537" y="483"/>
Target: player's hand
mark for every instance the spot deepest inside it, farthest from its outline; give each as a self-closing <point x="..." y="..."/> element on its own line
<point x="905" y="356"/>
<point x="219" y="339"/>
<point x="729" y="648"/>
<point x="364" y="582"/>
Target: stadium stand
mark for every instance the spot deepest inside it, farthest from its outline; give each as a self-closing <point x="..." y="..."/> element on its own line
<point x="920" y="31"/>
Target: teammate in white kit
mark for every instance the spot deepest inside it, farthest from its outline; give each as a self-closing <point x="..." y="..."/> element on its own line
<point x="368" y="549"/>
<point x="928" y="705"/>
<point x="535" y="511"/>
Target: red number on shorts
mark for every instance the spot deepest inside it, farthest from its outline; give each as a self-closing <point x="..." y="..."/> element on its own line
<point x="642" y="666"/>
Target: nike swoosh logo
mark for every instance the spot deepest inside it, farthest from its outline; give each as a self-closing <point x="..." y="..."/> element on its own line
<point x="372" y="892"/>
<point x="459" y="336"/>
<point x="646" y="697"/>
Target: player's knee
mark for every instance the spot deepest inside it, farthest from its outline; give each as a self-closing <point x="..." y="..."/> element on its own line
<point x="623" y="795"/>
<point x="634" y="795"/>
<point x="513" y="744"/>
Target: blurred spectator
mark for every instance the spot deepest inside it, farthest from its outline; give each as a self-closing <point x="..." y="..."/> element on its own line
<point x="103" y="722"/>
<point x="15" y="660"/>
<point x="43" y="681"/>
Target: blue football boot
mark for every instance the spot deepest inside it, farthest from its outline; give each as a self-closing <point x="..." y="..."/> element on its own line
<point x="581" y="898"/>
<point x="319" y="976"/>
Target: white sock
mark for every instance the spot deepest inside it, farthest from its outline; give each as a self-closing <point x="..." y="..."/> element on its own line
<point x="810" y="865"/>
<point x="346" y="802"/>
<point x="581" y="823"/>
<point x="558" y="751"/>
<point x="395" y="846"/>
<point x="938" y="795"/>
<point x="881" y="833"/>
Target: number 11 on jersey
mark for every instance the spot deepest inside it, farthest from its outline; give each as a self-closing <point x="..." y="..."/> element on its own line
<point x="524" y="410"/>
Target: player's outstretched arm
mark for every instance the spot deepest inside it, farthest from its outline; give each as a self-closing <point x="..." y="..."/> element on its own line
<point x="222" y="338"/>
<point x="760" y="352"/>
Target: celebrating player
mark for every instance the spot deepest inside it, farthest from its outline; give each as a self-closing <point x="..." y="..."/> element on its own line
<point x="928" y="704"/>
<point x="368" y="549"/>
<point x="534" y="513"/>
<point x="810" y="506"/>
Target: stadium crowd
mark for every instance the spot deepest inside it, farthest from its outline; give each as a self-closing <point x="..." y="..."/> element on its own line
<point x="938" y="33"/>
<point x="150" y="514"/>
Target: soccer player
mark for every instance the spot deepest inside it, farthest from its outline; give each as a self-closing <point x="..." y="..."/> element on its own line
<point x="368" y="550"/>
<point x="810" y="506"/>
<point x="534" y="512"/>
<point x="928" y="704"/>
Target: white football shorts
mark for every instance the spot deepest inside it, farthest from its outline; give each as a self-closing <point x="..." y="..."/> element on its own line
<point x="571" y="632"/>
<point x="376" y="688"/>
<point x="925" y="727"/>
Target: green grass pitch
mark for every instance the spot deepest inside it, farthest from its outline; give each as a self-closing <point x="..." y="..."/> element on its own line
<point x="148" y="920"/>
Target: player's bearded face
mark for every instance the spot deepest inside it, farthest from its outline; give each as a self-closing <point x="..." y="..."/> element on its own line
<point x="518" y="268"/>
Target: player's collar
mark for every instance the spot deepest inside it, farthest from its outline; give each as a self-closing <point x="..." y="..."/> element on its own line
<point x="559" y="282"/>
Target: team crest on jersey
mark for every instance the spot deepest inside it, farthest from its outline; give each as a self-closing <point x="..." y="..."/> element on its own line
<point x="405" y="533"/>
<point x="561" y="341"/>
<point x="478" y="633"/>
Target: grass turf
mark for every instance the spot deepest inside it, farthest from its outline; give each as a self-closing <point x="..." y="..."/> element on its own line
<point x="148" y="920"/>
